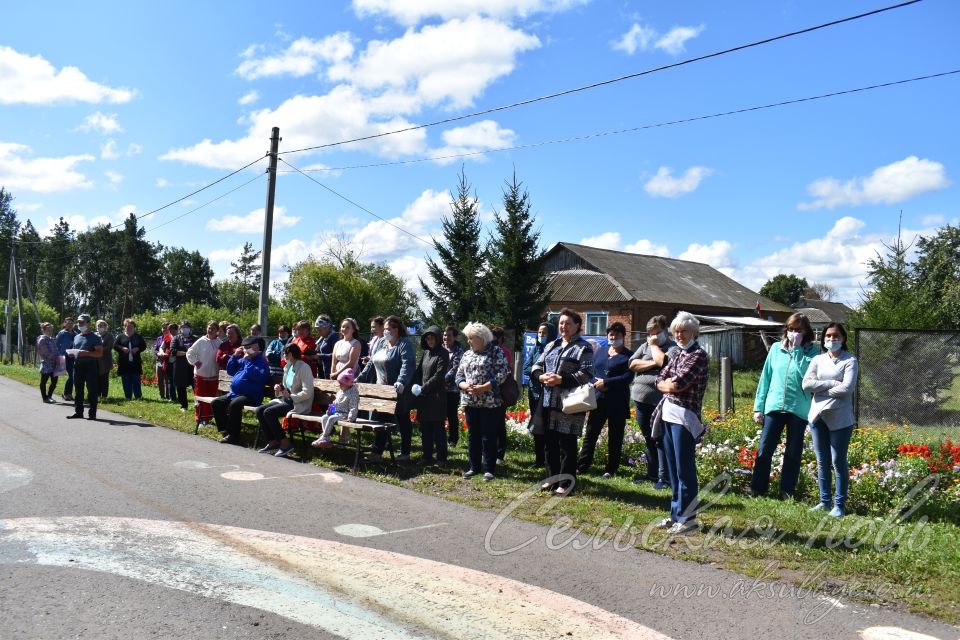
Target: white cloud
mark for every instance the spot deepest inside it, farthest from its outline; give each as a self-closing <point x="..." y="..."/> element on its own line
<point x="447" y="66"/>
<point x="248" y="98"/>
<point x="412" y="12"/>
<point x="380" y="240"/>
<point x="934" y="220"/>
<point x="608" y="240"/>
<point x="647" y="247"/>
<point x="252" y="222"/>
<point x="77" y="222"/>
<point x="645" y="38"/>
<point x="638" y="37"/>
<point x="114" y="177"/>
<point x="892" y="183"/>
<point x="28" y="207"/>
<point x="32" y="80"/>
<point x="664" y="185"/>
<point x="473" y="139"/>
<point x="718" y="254"/>
<point x="161" y="183"/>
<point x="189" y="203"/>
<point x="105" y="123"/>
<point x="109" y="151"/>
<point x="225" y="255"/>
<point x="43" y="175"/>
<point x="674" y="41"/>
<point x="303" y="57"/>
<point x="134" y="149"/>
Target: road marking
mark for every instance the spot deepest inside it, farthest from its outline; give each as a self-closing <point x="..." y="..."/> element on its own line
<point x="892" y="633"/>
<point x="196" y="464"/>
<point x="369" y="531"/>
<point x="347" y="590"/>
<point x="13" y="476"/>
<point x="250" y="476"/>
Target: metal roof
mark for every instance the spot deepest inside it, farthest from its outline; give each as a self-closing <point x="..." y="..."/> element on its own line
<point x="832" y="311"/>
<point x="647" y="278"/>
<point x="581" y="285"/>
<point x="742" y="321"/>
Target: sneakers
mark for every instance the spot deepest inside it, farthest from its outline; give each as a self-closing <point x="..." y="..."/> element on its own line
<point x="322" y="443"/>
<point x="499" y="461"/>
<point x="469" y="474"/>
<point x="227" y="439"/>
<point x="660" y="486"/>
<point x="283" y="452"/>
<point x="666" y="523"/>
<point x="683" y="528"/>
<point x="270" y="448"/>
<point x="606" y="476"/>
<point x="819" y="507"/>
<point x="836" y="512"/>
<point x="488" y="476"/>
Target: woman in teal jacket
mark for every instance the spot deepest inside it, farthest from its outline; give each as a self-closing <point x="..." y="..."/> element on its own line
<point x="782" y="402"/>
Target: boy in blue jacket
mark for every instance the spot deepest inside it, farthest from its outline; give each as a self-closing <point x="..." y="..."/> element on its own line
<point x="251" y="373"/>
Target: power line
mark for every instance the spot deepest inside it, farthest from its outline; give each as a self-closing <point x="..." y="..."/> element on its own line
<point x="361" y="207"/>
<point x="602" y="83"/>
<point x="668" y="123"/>
<point x="209" y="202"/>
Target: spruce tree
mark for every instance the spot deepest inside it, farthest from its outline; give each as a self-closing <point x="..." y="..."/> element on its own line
<point x="457" y="293"/>
<point x="246" y="272"/>
<point x="518" y="285"/>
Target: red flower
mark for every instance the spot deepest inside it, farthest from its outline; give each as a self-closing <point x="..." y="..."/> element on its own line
<point x="747" y="457"/>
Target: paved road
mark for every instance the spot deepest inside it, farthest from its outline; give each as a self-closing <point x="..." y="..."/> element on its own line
<point x="117" y="529"/>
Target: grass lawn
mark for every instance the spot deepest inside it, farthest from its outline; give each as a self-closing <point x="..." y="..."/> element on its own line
<point x="912" y="565"/>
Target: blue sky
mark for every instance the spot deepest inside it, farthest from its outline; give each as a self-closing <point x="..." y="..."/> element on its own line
<point x="126" y="108"/>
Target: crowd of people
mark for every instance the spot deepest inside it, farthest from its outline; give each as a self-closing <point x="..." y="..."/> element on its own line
<point x="665" y="378"/>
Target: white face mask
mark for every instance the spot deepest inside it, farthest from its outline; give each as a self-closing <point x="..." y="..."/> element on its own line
<point x="388" y="335"/>
<point x="251" y="351"/>
<point x="833" y="345"/>
<point x="618" y="342"/>
<point x="662" y="337"/>
<point x="794" y="337"/>
<point x="184" y="331"/>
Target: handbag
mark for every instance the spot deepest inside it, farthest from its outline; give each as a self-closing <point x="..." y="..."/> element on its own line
<point x="509" y="391"/>
<point x="579" y="399"/>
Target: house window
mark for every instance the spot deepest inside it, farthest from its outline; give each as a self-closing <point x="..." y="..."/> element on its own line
<point x="553" y="318"/>
<point x="596" y="324"/>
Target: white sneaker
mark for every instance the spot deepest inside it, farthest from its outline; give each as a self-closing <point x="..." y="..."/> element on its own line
<point x="488" y="476"/>
<point x="683" y="528"/>
<point x="666" y="523"/>
<point x="499" y="461"/>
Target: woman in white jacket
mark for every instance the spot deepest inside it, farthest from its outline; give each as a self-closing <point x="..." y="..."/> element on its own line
<point x="202" y="355"/>
<point x="832" y="379"/>
<point x="295" y="394"/>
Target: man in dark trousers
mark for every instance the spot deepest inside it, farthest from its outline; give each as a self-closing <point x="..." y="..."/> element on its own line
<point x="251" y="373"/>
<point x="88" y="349"/>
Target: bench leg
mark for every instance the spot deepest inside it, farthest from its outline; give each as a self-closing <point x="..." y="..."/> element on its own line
<point x="356" y="458"/>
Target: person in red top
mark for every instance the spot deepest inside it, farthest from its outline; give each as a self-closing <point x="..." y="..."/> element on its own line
<point x="307" y="344"/>
<point x="229" y="346"/>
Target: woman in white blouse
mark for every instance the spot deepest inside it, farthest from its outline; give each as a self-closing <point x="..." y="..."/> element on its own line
<point x="346" y="352"/>
<point x="832" y="379"/>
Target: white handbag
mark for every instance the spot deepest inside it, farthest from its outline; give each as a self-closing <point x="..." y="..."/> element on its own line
<point x="579" y="399"/>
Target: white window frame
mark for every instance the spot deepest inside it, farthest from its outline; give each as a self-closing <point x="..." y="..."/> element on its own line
<point x="594" y="315"/>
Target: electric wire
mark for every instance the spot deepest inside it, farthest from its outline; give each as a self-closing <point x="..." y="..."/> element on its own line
<point x="609" y="81"/>
<point x="209" y="202"/>
<point x="636" y="129"/>
<point x="359" y="206"/>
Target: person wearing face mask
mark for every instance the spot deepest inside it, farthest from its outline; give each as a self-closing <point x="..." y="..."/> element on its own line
<point x="781" y="403"/>
<point x="106" y="360"/>
<point x="251" y="373"/>
<point x="87" y="351"/>
<point x="832" y="379"/>
<point x="611" y="379"/>
<point x="202" y="355"/>
<point x="646" y="363"/>
<point x="64" y="341"/>
<point x="182" y="370"/>
<point x="129" y="347"/>
<point x="275" y="352"/>
<point x="546" y="333"/>
<point x="325" y="343"/>
<point x="394" y="363"/>
<point x="455" y="353"/>
<point x="682" y="382"/>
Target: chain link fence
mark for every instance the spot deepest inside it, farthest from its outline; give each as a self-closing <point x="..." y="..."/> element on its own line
<point x="908" y="377"/>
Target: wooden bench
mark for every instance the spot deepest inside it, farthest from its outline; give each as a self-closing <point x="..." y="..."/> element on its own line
<point x="223" y="386"/>
<point x="378" y="398"/>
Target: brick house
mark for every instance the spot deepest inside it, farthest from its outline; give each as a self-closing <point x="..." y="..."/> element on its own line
<point x="607" y="286"/>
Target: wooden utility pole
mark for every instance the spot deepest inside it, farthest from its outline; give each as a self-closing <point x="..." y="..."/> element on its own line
<point x="268" y="231"/>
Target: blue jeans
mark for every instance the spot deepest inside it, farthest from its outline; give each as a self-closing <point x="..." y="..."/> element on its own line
<point x="679" y="449"/>
<point x="131" y="385"/>
<point x="773" y="424"/>
<point x="831" y="448"/>
<point x="68" y="385"/>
